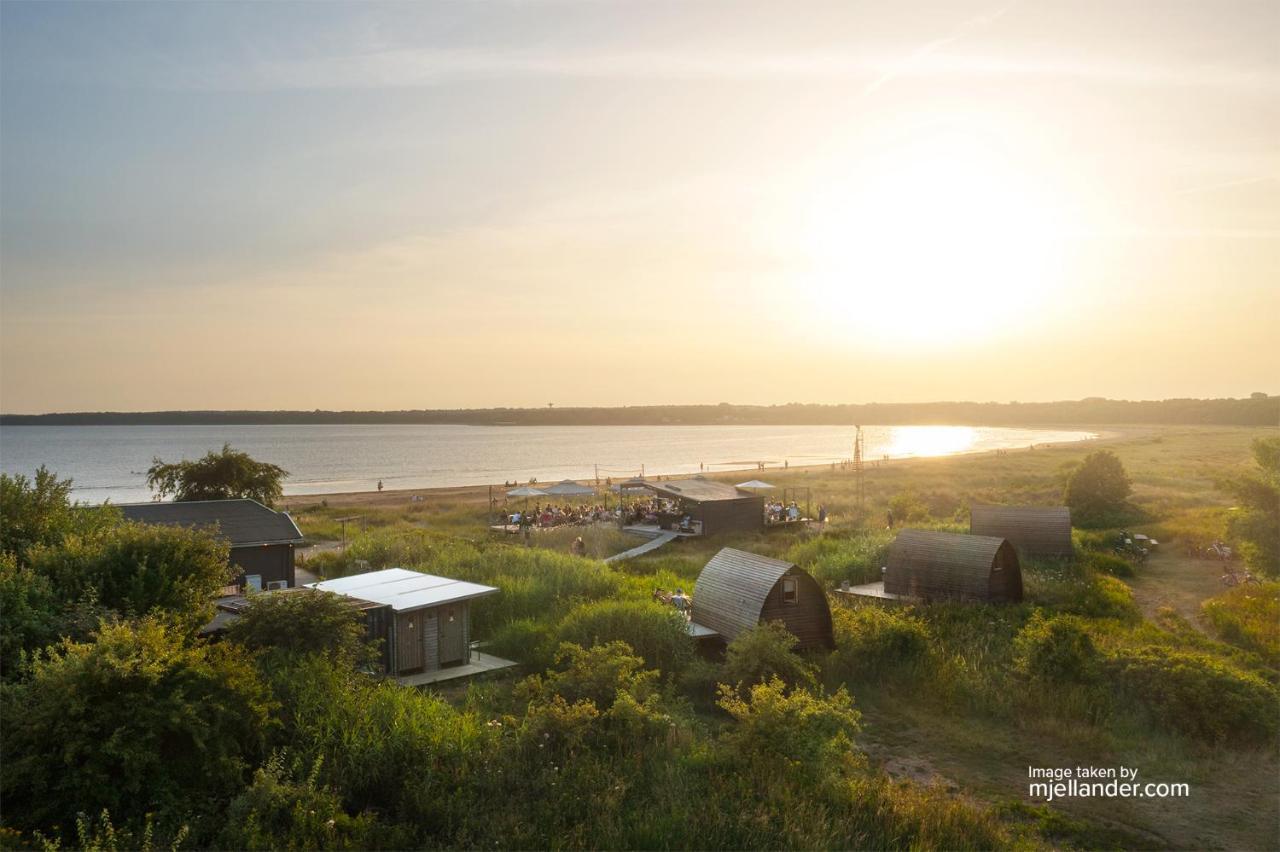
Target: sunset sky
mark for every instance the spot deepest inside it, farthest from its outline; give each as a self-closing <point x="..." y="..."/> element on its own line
<point x="602" y="203"/>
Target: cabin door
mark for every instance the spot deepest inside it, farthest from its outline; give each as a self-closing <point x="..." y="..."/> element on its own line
<point x="409" y="652"/>
<point x="451" y="645"/>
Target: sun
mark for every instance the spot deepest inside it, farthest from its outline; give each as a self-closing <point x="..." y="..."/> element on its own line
<point x="938" y="242"/>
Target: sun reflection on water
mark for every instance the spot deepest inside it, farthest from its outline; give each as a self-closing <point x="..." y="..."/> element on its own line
<point x="930" y="440"/>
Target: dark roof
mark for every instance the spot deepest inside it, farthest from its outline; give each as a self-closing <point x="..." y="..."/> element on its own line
<point x="931" y="564"/>
<point x="699" y="490"/>
<point x="731" y="590"/>
<point x="241" y="522"/>
<point x="1033" y="530"/>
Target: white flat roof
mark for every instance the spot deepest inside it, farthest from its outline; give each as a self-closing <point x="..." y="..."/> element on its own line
<point x="404" y="590"/>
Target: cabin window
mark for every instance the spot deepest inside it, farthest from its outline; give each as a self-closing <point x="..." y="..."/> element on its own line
<point x="789" y="590"/>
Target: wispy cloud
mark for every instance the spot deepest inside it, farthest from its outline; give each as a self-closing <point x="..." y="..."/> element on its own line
<point x="914" y="59"/>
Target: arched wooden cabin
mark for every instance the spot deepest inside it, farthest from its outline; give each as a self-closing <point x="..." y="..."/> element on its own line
<point x="948" y="566"/>
<point x="738" y="590"/>
<point x="1032" y="530"/>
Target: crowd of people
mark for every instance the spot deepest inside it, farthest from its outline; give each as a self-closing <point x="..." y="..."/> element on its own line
<point x="775" y="512"/>
<point x="552" y="515"/>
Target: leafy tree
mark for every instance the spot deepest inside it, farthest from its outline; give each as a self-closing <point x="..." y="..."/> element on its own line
<point x="221" y="475"/>
<point x="40" y="512"/>
<point x="305" y="621"/>
<point x="1098" y="489"/>
<point x="1256" y="523"/>
<point x="136" y="569"/>
<point x="136" y="722"/>
<point x="766" y="653"/>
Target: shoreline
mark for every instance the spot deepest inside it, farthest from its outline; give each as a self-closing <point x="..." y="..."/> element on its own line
<point x="480" y="493"/>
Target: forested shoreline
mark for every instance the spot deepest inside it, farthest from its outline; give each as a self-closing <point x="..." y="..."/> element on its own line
<point x="1257" y="410"/>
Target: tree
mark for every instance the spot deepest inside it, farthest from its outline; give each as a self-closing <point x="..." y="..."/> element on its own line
<point x="224" y="475"/>
<point x="31" y="613"/>
<point x="136" y="722"/>
<point x="40" y="512"/>
<point x="1097" y="490"/>
<point x="1255" y="524"/>
<point x="139" y="569"/>
<point x="306" y="621"/>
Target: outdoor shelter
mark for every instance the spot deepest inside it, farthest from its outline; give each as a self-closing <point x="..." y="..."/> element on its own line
<point x="430" y="625"/>
<point x="568" y="488"/>
<point x="1032" y="530"/>
<point x="715" y="507"/>
<point x="738" y="590"/>
<point x="262" y="540"/>
<point x="949" y="566"/>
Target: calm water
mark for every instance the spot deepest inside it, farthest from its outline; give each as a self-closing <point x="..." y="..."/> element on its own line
<point x="109" y="462"/>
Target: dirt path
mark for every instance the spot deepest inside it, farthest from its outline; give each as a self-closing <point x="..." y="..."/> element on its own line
<point x="1172" y="579"/>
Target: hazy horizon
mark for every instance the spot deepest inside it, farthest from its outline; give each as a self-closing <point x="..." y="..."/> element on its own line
<point x="456" y="205"/>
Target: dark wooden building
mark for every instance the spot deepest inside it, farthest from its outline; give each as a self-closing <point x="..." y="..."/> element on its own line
<point x="428" y="626"/>
<point x="738" y="590"/>
<point x="1032" y="530"/>
<point x="949" y="566"/>
<point x="262" y="540"/>
<point x="716" y="507"/>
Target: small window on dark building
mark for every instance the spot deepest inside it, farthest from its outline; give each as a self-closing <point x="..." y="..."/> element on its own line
<point x="789" y="590"/>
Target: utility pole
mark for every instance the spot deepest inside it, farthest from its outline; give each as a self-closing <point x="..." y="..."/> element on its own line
<point x="859" y="473"/>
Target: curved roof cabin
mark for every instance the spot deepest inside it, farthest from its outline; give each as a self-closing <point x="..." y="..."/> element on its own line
<point x="1032" y="530"/>
<point x="948" y="566"/>
<point x="738" y="590"/>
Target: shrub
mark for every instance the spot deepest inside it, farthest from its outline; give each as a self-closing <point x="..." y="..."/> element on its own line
<point x="31" y="614"/>
<point x="1197" y="695"/>
<point x="136" y="722"/>
<point x="832" y="559"/>
<point x="765" y="653"/>
<point x="656" y="633"/>
<point x="277" y="811"/>
<point x="1248" y="617"/>
<point x="1257" y="525"/>
<point x="907" y="507"/>
<point x="1097" y="491"/>
<point x="872" y="641"/>
<point x="139" y="569"/>
<point x="1056" y="650"/>
<point x="40" y="513"/>
<point x="776" y="728"/>
<point x="305" y="621"/>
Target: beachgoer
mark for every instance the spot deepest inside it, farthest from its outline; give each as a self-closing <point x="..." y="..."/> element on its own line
<point x="379" y="485"/>
<point x="822" y="514"/>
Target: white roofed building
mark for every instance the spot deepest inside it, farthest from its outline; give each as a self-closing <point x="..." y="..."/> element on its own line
<point x="430" y="624"/>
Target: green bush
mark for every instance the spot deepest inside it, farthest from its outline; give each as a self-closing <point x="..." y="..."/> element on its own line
<point x="874" y="641"/>
<point x="1056" y="650"/>
<point x="766" y="653"/>
<point x="137" y="722"/>
<point x="304" y="621"/>
<point x="658" y="634"/>
<point x="1196" y="694"/>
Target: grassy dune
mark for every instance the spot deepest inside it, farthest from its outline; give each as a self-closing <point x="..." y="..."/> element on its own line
<point x="1158" y="670"/>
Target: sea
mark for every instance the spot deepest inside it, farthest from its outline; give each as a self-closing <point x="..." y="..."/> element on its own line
<point x="109" y="463"/>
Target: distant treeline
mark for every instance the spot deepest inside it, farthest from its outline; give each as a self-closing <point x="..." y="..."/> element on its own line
<point x="1257" y="410"/>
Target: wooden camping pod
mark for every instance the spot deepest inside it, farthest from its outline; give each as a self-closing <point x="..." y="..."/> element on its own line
<point x="1032" y="530"/>
<point x="738" y="590"/>
<point x="949" y="566"/>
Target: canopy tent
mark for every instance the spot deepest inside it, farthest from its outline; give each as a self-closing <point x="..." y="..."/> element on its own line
<point x="526" y="491"/>
<point x="754" y="483"/>
<point x="569" y="488"/>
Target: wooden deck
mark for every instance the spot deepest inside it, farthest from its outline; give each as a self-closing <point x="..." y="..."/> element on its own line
<point x="480" y="664"/>
<point x="869" y="590"/>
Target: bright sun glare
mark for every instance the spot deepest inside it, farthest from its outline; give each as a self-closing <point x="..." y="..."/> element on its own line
<point x="938" y="242"/>
<point x="930" y="440"/>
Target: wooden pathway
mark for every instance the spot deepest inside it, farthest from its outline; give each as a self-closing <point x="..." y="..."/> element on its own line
<point x="648" y="547"/>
